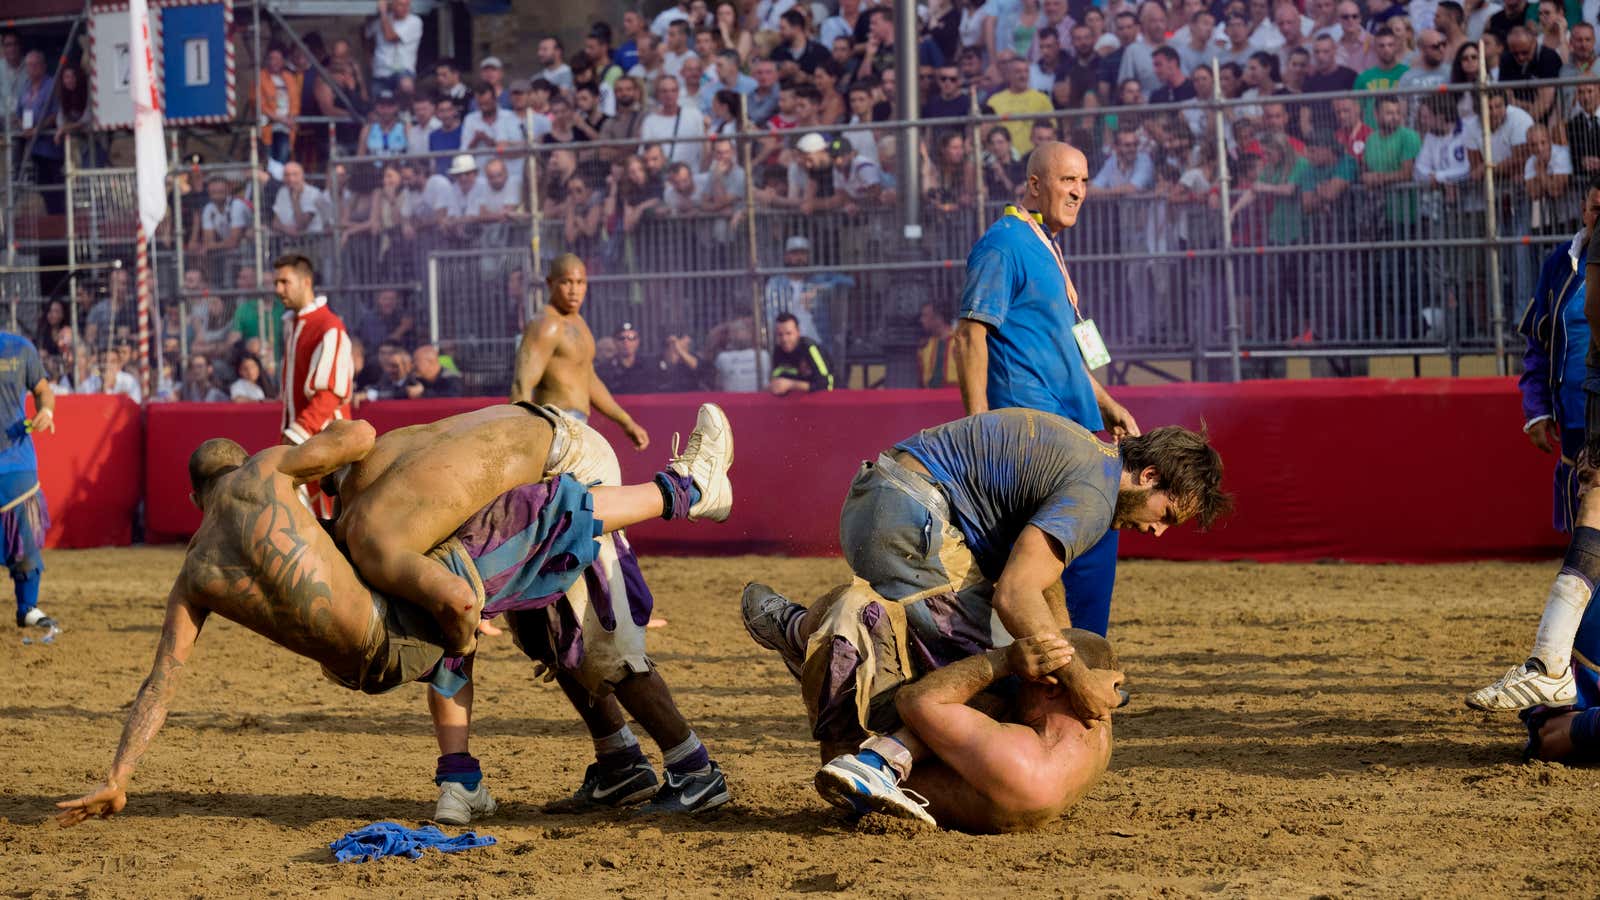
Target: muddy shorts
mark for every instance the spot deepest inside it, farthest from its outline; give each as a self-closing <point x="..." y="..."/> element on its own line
<point x="918" y="602"/>
<point x="596" y="632"/>
<point x="404" y="643"/>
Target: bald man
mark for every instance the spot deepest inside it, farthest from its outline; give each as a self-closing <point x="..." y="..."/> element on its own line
<point x="555" y="366"/>
<point x="1016" y="344"/>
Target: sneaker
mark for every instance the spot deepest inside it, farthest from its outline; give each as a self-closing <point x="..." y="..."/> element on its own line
<point x="35" y="618"/>
<point x="609" y="788"/>
<point x="691" y="793"/>
<point x="851" y="784"/>
<point x="706" y="458"/>
<point x="1524" y="686"/>
<point x="767" y="615"/>
<point x="459" y="806"/>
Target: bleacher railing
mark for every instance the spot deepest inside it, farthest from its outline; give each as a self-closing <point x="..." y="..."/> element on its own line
<point x="1170" y="273"/>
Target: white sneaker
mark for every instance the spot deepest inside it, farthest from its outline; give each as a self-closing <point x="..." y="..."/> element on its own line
<point x="459" y="806"/>
<point x="1524" y="686"/>
<point x="851" y="784"/>
<point x="706" y="459"/>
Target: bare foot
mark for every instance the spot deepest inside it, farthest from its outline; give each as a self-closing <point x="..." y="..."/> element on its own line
<point x="656" y="622"/>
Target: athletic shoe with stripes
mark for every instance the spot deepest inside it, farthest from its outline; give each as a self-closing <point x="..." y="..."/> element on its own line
<point x="853" y="785"/>
<point x="1525" y="686"/>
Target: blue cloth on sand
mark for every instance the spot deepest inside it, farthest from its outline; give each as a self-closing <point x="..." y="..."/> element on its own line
<point x="382" y="839"/>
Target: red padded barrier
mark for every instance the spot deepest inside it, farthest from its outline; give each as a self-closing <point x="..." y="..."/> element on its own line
<point x="89" y="470"/>
<point x="1359" y="469"/>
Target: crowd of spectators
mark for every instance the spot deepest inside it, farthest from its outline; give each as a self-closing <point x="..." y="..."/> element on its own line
<point x="811" y="76"/>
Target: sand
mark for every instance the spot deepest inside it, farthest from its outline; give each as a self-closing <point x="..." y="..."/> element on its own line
<point x="1295" y="730"/>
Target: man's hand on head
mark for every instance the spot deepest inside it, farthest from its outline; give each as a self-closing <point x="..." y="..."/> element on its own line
<point x="1037" y="656"/>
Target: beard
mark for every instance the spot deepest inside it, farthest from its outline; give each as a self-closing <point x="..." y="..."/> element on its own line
<point x="1128" y="500"/>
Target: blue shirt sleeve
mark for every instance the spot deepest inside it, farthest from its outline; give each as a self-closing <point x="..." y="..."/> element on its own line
<point x="1078" y="517"/>
<point x="991" y="282"/>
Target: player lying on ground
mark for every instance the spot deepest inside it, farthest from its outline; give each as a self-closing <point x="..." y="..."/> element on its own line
<point x="589" y="632"/>
<point x="955" y="535"/>
<point x="987" y="763"/>
<point x="261" y="559"/>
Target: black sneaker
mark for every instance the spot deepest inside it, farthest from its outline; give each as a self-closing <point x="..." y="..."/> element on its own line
<point x="691" y="793"/>
<point x="609" y="788"/>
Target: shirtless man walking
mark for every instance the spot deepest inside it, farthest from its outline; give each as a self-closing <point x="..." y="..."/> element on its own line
<point x="261" y="559"/>
<point x="555" y="367"/>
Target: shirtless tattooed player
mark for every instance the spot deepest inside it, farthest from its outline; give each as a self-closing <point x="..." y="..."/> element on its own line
<point x="555" y="366"/>
<point x="259" y="558"/>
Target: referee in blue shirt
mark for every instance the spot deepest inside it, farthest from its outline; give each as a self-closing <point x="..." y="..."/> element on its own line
<point x="1021" y="342"/>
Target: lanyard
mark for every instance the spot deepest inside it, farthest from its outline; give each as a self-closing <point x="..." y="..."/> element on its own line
<point x="1055" y="251"/>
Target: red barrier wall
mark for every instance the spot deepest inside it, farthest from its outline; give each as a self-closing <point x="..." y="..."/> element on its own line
<point x="1361" y="469"/>
<point x="89" y="470"/>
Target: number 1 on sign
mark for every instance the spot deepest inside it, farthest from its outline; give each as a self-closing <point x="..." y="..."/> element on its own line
<point x="196" y="62"/>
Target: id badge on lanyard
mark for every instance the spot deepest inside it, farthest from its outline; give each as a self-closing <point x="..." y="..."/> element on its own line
<point x="1084" y="332"/>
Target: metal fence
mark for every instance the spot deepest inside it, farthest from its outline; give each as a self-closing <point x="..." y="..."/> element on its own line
<point x="1228" y="270"/>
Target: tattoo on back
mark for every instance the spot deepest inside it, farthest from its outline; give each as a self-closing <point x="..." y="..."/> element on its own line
<point x="267" y="561"/>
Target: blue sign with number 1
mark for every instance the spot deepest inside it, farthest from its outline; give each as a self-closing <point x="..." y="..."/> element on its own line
<point x="194" y="50"/>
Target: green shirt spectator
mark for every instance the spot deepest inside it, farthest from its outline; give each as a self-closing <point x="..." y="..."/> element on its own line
<point x="247" y="323"/>
<point x="1390" y="152"/>
<point x="1383" y="76"/>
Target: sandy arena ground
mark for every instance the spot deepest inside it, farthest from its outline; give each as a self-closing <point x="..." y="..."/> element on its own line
<point x="1296" y="731"/>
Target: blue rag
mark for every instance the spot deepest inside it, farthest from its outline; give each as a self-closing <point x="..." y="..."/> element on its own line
<point x="382" y="839"/>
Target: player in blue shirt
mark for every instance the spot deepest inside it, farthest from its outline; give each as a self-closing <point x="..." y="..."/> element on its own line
<point x="1015" y="344"/>
<point x="23" y="516"/>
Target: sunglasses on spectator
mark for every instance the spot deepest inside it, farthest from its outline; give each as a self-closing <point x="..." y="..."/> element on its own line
<point x="1438" y="45"/>
<point x="950" y="78"/>
<point x="1349" y="15"/>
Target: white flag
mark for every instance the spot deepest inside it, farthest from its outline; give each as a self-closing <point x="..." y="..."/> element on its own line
<point x="150" y="150"/>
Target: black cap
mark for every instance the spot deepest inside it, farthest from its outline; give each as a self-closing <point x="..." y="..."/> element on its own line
<point x="384" y="95"/>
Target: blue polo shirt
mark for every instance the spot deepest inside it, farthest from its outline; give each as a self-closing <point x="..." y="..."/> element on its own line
<point x="1015" y="286"/>
<point x="20" y="370"/>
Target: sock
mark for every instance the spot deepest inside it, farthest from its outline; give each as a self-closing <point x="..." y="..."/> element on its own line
<point x="27" y="591"/>
<point x="462" y="768"/>
<point x="617" y="751"/>
<point x="791" y="630"/>
<point x="678" y="493"/>
<point x="688" y="758"/>
<point x="889" y="754"/>
<point x="1569" y="597"/>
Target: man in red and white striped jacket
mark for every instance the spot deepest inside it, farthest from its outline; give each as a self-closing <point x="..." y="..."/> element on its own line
<point x="317" y="369"/>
